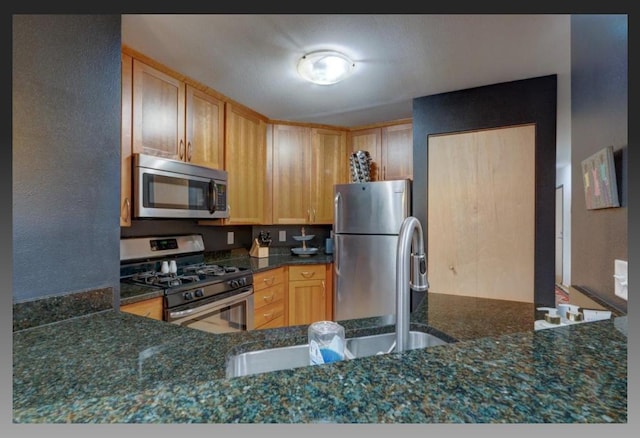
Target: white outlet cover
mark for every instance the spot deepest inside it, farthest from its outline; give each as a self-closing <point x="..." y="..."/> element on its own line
<point x="621" y="279"/>
<point x="282" y="236"/>
<point x="230" y="238"/>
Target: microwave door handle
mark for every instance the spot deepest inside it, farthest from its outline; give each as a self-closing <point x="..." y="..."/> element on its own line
<point x="213" y="196"/>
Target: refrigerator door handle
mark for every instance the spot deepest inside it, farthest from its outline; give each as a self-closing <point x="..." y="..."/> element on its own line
<point x="336" y="208"/>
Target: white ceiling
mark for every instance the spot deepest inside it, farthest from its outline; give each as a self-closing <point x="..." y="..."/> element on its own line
<point x="251" y="58"/>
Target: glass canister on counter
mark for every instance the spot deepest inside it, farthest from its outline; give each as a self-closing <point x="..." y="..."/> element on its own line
<point x="326" y="342"/>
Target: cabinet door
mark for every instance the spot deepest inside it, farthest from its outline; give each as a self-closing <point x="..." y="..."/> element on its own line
<point x="245" y="161"/>
<point x="158" y="112"/>
<point x="397" y="152"/>
<point x="307" y="301"/>
<point x="125" y="141"/>
<point x="329" y="166"/>
<point x="369" y="140"/>
<point x="205" y="129"/>
<point x="290" y="177"/>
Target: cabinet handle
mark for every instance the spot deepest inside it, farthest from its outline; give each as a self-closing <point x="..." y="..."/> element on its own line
<point x="307" y="274"/>
<point x="146" y="315"/>
<point x="308" y="215"/>
<point x="180" y="147"/>
<point x="384" y="172"/>
<point x="269" y="298"/>
<point x="268" y="315"/>
<point x="323" y="288"/>
<point x="189" y="151"/>
<point x="127" y="209"/>
<point x="314" y="214"/>
<point x="269" y="281"/>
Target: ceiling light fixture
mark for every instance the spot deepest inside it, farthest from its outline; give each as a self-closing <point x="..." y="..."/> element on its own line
<point x="325" y="67"/>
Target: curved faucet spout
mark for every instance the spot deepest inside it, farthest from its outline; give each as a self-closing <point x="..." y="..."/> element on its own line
<point x="411" y="272"/>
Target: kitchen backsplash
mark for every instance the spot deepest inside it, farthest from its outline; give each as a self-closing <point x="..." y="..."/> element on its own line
<point x="216" y="237"/>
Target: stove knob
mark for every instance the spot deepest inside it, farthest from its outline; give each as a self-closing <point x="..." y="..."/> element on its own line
<point x="242" y="281"/>
<point x="199" y="293"/>
<point x="233" y="283"/>
<point x="188" y="296"/>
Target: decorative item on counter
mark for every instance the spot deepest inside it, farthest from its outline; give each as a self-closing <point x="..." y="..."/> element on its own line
<point x="304" y="251"/>
<point x="326" y="342"/>
<point x="260" y="247"/>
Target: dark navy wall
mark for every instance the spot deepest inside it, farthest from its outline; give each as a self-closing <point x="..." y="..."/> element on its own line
<point x="66" y="154"/>
<point x="599" y="118"/>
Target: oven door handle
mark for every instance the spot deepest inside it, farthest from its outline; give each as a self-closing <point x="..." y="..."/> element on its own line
<point x="212" y="306"/>
<point x="213" y="196"/>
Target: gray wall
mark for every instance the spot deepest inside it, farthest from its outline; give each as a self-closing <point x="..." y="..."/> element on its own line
<point x="599" y="88"/>
<point x="66" y="154"/>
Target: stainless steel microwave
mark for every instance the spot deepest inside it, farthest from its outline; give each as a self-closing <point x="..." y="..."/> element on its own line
<point x="166" y="188"/>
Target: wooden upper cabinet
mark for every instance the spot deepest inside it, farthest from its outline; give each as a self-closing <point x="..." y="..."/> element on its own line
<point x="205" y="129"/>
<point x="291" y="174"/>
<point x="307" y="162"/>
<point x="390" y="147"/>
<point x="158" y="112"/>
<point x="125" y="141"/>
<point x="245" y="161"/>
<point x="397" y="152"/>
<point x="329" y="166"/>
<point x="369" y="140"/>
<point x="172" y="119"/>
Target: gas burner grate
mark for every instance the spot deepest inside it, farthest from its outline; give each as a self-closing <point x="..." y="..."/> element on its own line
<point x="204" y="269"/>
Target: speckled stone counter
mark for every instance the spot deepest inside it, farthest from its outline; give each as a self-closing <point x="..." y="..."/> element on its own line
<point x="116" y="367"/>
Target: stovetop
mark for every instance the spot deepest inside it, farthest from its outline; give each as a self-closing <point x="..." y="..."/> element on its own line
<point x="196" y="275"/>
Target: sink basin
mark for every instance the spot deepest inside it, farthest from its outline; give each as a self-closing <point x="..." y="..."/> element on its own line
<point x="296" y="356"/>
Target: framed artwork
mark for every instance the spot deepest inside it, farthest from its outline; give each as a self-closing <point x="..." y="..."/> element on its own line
<point x="599" y="178"/>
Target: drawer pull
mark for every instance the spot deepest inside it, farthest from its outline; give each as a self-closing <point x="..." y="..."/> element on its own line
<point x="307" y="274"/>
<point x="269" y="281"/>
<point x="269" y="298"/>
<point x="268" y="315"/>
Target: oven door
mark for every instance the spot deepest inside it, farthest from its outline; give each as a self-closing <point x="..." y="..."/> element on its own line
<point x="230" y="314"/>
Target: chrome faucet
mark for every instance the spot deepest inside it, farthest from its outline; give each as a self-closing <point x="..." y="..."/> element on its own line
<point x="411" y="273"/>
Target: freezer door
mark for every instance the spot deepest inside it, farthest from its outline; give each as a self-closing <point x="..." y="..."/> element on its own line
<point x="377" y="207"/>
<point x="364" y="275"/>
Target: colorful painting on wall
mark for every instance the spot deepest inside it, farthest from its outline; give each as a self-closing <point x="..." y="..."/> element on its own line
<point x="599" y="178"/>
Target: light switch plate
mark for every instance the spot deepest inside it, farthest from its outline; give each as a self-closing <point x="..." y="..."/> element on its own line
<point x="282" y="236"/>
<point x="230" y="238"/>
<point x="621" y="279"/>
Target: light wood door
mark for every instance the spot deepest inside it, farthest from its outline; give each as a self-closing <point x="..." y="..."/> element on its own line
<point x="158" y="112"/>
<point x="291" y="174"/>
<point x="328" y="167"/>
<point x="481" y="195"/>
<point x="126" y="141"/>
<point x="397" y="152"/>
<point x="205" y="129"/>
<point x="369" y="140"/>
<point x="245" y="162"/>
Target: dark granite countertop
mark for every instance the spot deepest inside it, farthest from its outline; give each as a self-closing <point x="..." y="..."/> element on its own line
<point x="116" y="367"/>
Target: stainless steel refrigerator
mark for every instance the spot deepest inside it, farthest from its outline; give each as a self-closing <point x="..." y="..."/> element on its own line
<point x="367" y="220"/>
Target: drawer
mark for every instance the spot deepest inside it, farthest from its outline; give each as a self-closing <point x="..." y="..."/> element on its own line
<point x="268" y="313"/>
<point x="148" y="308"/>
<point x="265" y="279"/>
<point x="307" y="272"/>
<point x="269" y="295"/>
<point x="277" y="322"/>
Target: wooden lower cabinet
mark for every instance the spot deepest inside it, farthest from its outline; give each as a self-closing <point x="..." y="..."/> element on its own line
<point x="270" y="299"/>
<point x="310" y="293"/>
<point x="151" y="308"/>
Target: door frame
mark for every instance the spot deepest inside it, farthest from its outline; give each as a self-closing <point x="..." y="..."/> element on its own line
<point x="559" y="235"/>
<point x="505" y="104"/>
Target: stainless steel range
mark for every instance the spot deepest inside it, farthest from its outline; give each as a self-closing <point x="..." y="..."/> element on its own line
<point x="209" y="297"/>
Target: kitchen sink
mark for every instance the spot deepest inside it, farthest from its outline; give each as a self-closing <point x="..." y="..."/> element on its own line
<point x="296" y="356"/>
